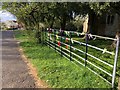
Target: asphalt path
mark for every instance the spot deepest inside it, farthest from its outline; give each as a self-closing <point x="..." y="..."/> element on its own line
<point x="14" y="69"/>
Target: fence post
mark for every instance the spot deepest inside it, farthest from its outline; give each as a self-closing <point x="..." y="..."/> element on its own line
<point x="61" y="41"/>
<point x="115" y="61"/>
<point x="46" y="35"/>
<point x="49" y="37"/>
<point x="55" y="38"/>
<point x="70" y="47"/>
<point x="42" y="36"/>
<point x="86" y="47"/>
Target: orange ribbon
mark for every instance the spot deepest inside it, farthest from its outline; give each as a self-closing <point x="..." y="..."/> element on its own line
<point x="66" y="40"/>
<point x="67" y="46"/>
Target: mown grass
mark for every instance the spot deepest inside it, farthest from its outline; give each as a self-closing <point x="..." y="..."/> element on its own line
<point x="101" y="43"/>
<point x="57" y="71"/>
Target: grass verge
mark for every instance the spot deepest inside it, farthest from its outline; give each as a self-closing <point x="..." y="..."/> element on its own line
<point x="57" y="71"/>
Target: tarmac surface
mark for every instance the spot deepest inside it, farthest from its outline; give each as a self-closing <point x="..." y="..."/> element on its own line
<point x="14" y="69"/>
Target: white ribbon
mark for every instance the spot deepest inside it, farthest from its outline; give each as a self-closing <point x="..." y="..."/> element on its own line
<point x="51" y="38"/>
<point x="72" y="41"/>
<point x="80" y="43"/>
<point x="82" y="33"/>
<point x="48" y="34"/>
<point x="77" y="34"/>
<point x="74" y="49"/>
<point x="104" y="50"/>
<point x="57" y="37"/>
<point x="52" y="30"/>
<point x="90" y="36"/>
<point x="66" y="32"/>
<point x="113" y="53"/>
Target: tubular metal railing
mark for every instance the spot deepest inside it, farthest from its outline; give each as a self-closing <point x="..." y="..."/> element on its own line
<point x="58" y="45"/>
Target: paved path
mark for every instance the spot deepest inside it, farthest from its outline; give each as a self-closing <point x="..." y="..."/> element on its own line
<point x="14" y="69"/>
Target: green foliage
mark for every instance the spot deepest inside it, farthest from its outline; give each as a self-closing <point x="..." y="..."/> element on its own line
<point x="99" y="7"/>
<point x="57" y="71"/>
<point x="102" y="7"/>
<point x="32" y="13"/>
<point x="57" y="14"/>
<point x="70" y="26"/>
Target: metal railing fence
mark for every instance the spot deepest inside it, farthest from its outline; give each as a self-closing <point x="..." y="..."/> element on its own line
<point x="62" y="42"/>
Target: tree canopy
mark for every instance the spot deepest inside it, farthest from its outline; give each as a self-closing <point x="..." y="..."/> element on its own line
<point x="32" y="13"/>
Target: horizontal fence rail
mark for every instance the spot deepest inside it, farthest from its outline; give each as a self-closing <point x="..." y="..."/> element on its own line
<point x="57" y="41"/>
<point x="84" y="60"/>
<point x="88" y="45"/>
<point x="78" y="33"/>
<point x="78" y="61"/>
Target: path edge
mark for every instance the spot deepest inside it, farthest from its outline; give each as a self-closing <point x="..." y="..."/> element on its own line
<point x="31" y="68"/>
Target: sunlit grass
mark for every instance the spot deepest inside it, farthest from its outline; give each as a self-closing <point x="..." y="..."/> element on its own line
<point x="57" y="71"/>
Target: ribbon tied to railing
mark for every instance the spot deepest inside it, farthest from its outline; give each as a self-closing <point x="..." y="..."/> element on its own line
<point x="66" y="40"/>
<point x="48" y="34"/>
<point x="59" y="44"/>
<point x="66" y="46"/>
<point x="72" y="41"/>
<point x="67" y="33"/>
<point x="57" y="37"/>
<point x="51" y="37"/>
<point x="77" y="34"/>
<point x="104" y="50"/>
<point x="82" y="33"/>
<point x="90" y="36"/>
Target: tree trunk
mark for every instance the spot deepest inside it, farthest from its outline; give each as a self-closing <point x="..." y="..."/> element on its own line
<point x="119" y="84"/>
<point x="63" y="23"/>
<point x="92" y="24"/>
<point x="51" y="25"/>
<point x="52" y="22"/>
